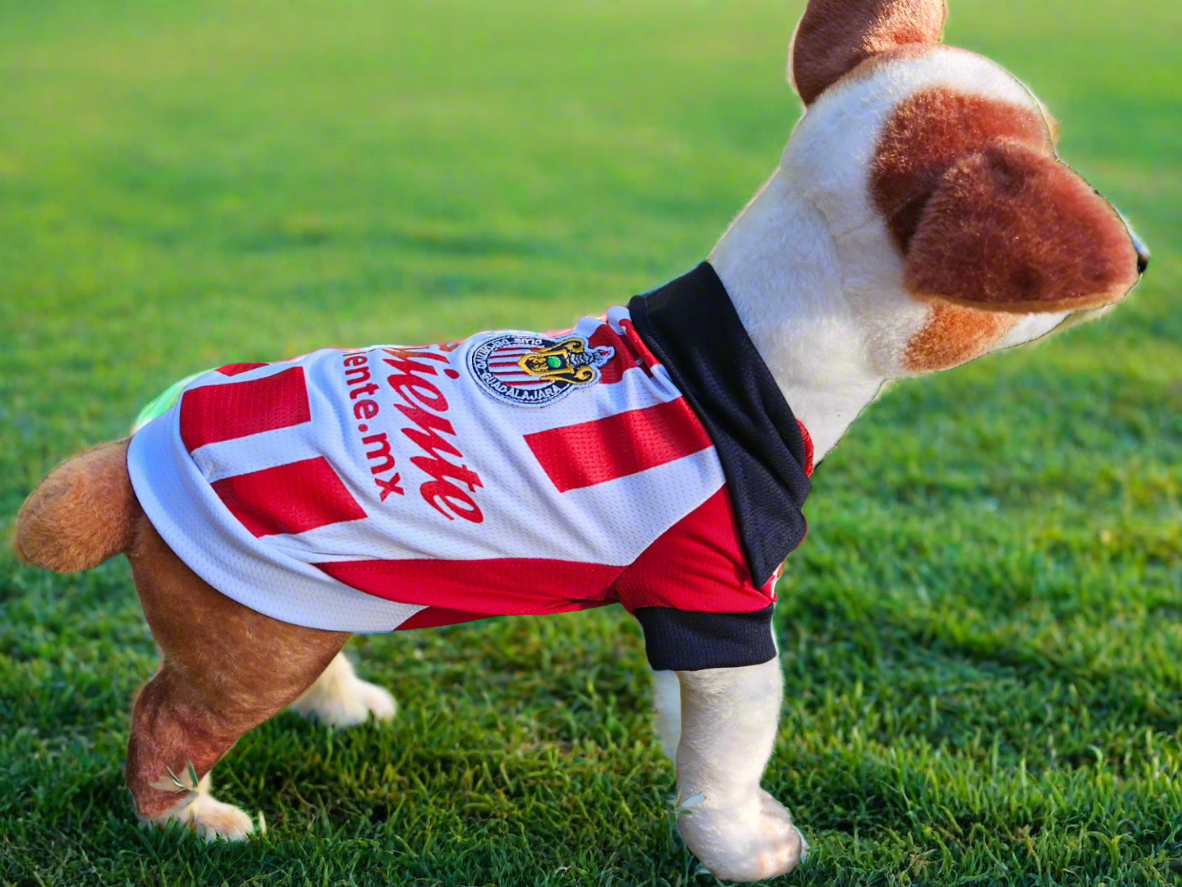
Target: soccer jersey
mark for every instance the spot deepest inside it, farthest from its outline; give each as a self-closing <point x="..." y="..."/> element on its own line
<point x="645" y="457"/>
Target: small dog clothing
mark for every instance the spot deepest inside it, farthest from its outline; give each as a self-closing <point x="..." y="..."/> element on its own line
<point x="646" y="458"/>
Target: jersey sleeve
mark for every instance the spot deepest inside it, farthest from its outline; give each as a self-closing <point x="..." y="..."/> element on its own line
<point x="693" y="595"/>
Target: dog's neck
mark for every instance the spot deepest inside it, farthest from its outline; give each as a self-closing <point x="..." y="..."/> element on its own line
<point x="779" y="265"/>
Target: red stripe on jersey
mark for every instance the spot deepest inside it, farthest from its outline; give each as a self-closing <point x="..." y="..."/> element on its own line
<point x="292" y="498"/>
<point x="697" y="565"/>
<point x="591" y="453"/>
<point x="236" y="369"/>
<point x="433" y="617"/>
<point x="627" y="356"/>
<point x="479" y="588"/>
<point x="808" y="448"/>
<point x="230" y="410"/>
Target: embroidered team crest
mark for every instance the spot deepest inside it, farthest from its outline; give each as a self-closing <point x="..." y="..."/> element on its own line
<point x="534" y="371"/>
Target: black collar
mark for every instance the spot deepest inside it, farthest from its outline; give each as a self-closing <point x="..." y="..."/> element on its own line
<point x="691" y="326"/>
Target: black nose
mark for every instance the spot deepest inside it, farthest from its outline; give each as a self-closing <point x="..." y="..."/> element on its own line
<point x="1143" y="254"/>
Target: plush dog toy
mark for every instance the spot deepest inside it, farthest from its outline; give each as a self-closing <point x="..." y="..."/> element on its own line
<point x="657" y="457"/>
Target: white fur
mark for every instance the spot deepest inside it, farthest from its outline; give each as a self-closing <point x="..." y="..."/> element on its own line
<point x="728" y="727"/>
<point x="667" y="705"/>
<point x="208" y="817"/>
<point x="780" y="266"/>
<point x="341" y="699"/>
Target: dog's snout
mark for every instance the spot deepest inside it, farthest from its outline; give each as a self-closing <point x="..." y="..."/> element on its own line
<point x="1143" y="254"/>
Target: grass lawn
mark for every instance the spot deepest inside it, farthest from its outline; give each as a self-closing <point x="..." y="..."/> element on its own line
<point x="981" y="638"/>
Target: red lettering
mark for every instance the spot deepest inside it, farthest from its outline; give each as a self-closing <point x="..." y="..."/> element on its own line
<point x="389" y="486"/>
<point x="437" y="491"/>
<point x="365" y="409"/>
<point x="380" y="452"/>
<point x="441" y="468"/>
<point x="423" y="405"/>
<point x="355" y="360"/>
<point x="404" y="359"/>
<point x="424" y="392"/>
<point x="356" y="375"/>
<point x="429" y="442"/>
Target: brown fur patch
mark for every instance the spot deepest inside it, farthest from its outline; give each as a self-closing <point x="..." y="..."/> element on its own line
<point x="953" y="336"/>
<point x="82" y="514"/>
<point x="1012" y="229"/>
<point x="835" y="36"/>
<point x="928" y="133"/>
<point x="226" y="670"/>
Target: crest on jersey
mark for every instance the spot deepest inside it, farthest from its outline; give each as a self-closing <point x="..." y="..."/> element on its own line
<point x="535" y="371"/>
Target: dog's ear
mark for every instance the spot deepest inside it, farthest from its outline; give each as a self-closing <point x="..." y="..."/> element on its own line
<point x="835" y="36"/>
<point x="1012" y="229"/>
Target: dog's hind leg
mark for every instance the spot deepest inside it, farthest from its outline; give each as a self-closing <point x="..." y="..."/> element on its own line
<point x="226" y="669"/>
<point x="341" y="699"/>
<point x="667" y="706"/>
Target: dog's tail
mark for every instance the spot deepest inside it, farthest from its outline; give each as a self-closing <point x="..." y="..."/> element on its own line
<point x="83" y="513"/>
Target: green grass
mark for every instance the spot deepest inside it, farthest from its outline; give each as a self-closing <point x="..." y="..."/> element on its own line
<point x="981" y="637"/>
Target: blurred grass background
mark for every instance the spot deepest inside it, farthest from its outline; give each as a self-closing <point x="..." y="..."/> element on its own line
<point x="981" y="638"/>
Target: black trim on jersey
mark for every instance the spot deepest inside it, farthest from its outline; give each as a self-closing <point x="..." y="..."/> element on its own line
<point x="692" y="327"/>
<point x="678" y="640"/>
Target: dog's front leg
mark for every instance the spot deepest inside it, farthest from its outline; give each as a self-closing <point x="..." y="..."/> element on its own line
<point x="728" y="726"/>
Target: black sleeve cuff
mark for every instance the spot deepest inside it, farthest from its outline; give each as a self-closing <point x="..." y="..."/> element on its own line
<point x="677" y="640"/>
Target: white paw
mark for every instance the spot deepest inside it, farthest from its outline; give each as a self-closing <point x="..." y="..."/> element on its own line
<point x="347" y="703"/>
<point x="211" y="819"/>
<point x="748" y="843"/>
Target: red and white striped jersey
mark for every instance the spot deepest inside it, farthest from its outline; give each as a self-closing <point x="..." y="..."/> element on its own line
<point x="396" y="487"/>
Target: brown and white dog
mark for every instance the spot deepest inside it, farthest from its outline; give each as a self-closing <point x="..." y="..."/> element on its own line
<point x="919" y="219"/>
